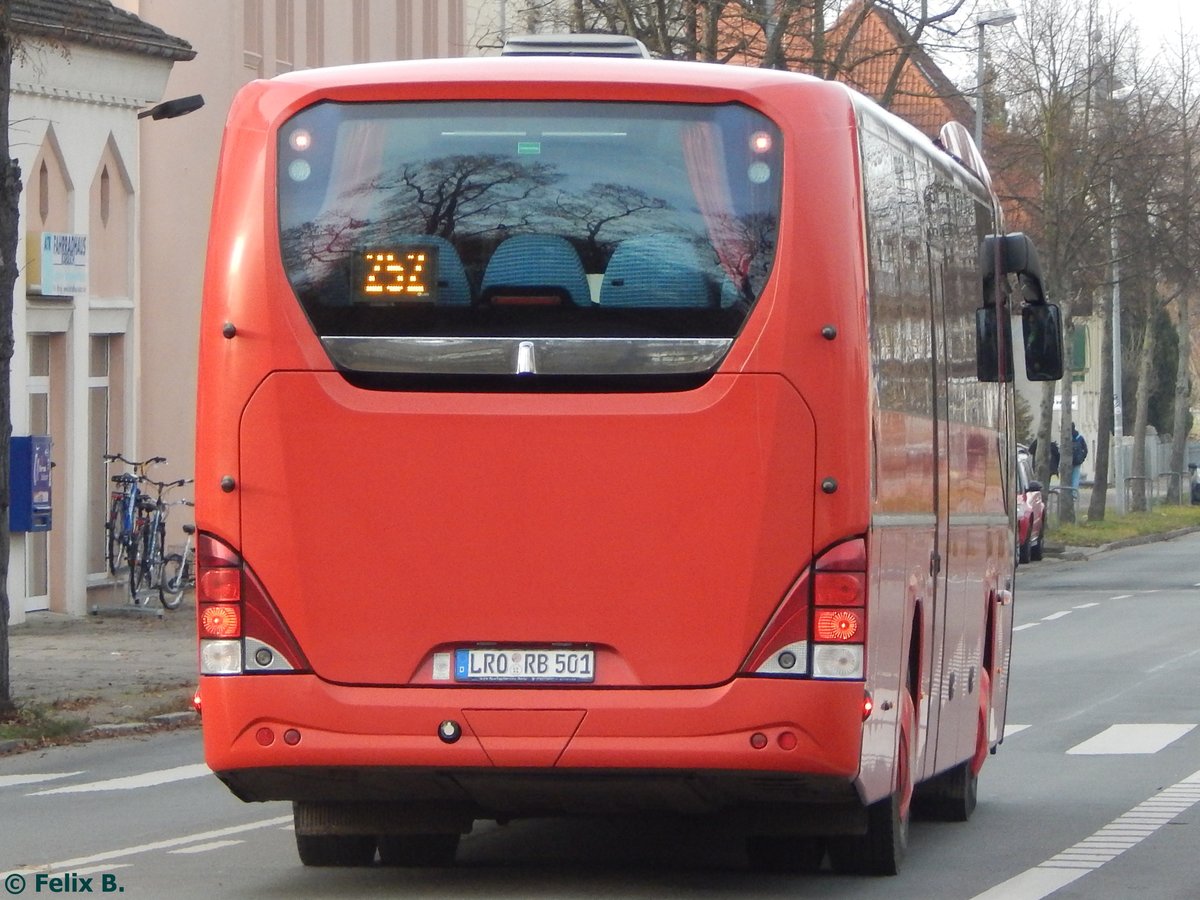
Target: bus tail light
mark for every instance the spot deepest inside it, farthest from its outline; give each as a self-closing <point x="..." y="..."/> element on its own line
<point x="823" y="616"/>
<point x="840" y="612"/>
<point x="240" y="630"/>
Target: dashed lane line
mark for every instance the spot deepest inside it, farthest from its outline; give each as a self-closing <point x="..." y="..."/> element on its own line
<point x="207" y="847"/>
<point x="17" y="780"/>
<point x="1104" y="846"/>
<point x="168" y="844"/>
<point x="131" y="782"/>
<point x="1131" y="739"/>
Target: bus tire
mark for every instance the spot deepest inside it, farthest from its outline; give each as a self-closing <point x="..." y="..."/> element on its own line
<point x="336" y="849"/>
<point x="882" y="849"/>
<point x="953" y="795"/>
<point x="418" y="850"/>
<point x="785" y="853"/>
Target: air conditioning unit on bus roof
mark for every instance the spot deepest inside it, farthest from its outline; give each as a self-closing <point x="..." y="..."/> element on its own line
<point x="575" y="45"/>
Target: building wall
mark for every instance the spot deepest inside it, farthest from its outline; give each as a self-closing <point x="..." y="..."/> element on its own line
<point x="124" y="352"/>
<point x="75" y="135"/>
<point x="236" y="41"/>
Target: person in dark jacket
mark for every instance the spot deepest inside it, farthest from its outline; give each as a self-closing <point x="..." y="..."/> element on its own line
<point x="1054" y="457"/>
<point x="1079" y="452"/>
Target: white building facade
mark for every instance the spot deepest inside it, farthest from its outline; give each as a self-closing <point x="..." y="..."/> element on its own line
<point x="82" y="76"/>
<point x="112" y="368"/>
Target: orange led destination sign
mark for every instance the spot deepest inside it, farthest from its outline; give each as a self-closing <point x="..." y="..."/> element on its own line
<point x="396" y="274"/>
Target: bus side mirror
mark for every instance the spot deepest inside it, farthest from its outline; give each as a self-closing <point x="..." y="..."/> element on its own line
<point x="1041" y="322"/>
<point x="1041" y="326"/>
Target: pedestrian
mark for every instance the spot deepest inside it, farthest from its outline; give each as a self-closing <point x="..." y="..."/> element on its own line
<point x="1054" y="457"/>
<point x="1079" y="452"/>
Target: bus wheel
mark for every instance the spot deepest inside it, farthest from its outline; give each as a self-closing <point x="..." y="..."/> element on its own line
<point x="881" y="850"/>
<point x="785" y="853"/>
<point x="953" y="795"/>
<point x="336" y="849"/>
<point x="418" y="850"/>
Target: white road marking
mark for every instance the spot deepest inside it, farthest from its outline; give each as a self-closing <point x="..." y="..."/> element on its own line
<point x="1121" y="597"/>
<point x="1085" y="606"/>
<point x="1128" y="739"/>
<point x="131" y="782"/>
<point x="74" y="864"/>
<point x="1010" y="730"/>
<point x="1104" y="846"/>
<point x="92" y="870"/>
<point x="205" y="848"/>
<point x="11" y="780"/>
<point x="1026" y="625"/>
<point x="1057" y="615"/>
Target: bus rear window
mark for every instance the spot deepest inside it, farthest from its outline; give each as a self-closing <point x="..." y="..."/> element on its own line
<point x="547" y="219"/>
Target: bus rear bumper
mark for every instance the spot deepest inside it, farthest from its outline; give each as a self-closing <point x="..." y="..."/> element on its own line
<point x="509" y="751"/>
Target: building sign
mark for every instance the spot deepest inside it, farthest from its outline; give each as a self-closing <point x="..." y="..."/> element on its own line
<point x="64" y="263"/>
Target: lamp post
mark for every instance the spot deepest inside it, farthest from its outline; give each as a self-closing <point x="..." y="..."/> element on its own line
<point x="982" y="21"/>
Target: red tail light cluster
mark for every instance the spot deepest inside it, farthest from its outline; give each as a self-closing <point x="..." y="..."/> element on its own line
<point x="240" y="629"/>
<point x="820" y="629"/>
<point x="840" y="612"/>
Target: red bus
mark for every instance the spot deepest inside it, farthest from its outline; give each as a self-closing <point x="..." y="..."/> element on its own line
<point x="590" y="435"/>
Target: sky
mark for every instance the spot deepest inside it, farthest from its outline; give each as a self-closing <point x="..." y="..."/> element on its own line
<point x="1159" y="20"/>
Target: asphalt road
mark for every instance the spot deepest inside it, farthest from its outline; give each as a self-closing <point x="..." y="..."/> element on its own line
<point x="1095" y="792"/>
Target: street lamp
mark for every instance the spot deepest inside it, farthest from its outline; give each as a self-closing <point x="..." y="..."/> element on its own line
<point x="982" y="21"/>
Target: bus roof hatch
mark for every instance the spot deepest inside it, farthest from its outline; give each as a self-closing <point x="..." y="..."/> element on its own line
<point x="575" y="45"/>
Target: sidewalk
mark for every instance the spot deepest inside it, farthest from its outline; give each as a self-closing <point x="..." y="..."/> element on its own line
<point x="119" y="669"/>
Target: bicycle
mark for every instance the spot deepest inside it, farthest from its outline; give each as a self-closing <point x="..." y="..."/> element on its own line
<point x="147" y="550"/>
<point x="122" y="512"/>
<point x="179" y="569"/>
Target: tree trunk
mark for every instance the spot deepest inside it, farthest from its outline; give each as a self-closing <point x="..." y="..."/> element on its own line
<point x="1066" y="498"/>
<point x="1104" y="424"/>
<point x="10" y="195"/>
<point x="1145" y="384"/>
<point x="1179" y="425"/>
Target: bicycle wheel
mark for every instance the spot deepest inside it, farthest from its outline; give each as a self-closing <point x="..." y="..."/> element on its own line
<point x="154" y="556"/>
<point x="172" y="581"/>
<point x="138" y="555"/>
<point x="114" y="551"/>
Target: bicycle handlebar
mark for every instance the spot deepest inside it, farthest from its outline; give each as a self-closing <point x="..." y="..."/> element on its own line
<point x="166" y="485"/>
<point x="118" y="457"/>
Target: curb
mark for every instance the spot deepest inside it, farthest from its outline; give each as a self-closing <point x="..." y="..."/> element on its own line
<point x="162" y="722"/>
<point x="1083" y="554"/>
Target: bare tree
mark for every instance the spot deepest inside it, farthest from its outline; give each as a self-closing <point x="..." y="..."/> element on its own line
<point x="1181" y="222"/>
<point x="10" y="194"/>
<point x="822" y="37"/>
<point x="1056" y="161"/>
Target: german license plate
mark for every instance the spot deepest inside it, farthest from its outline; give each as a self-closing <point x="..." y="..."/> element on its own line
<point x="520" y="664"/>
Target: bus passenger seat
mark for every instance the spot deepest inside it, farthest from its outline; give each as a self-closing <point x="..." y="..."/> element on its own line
<point x="453" y="286"/>
<point x="536" y="269"/>
<point x="654" y="270"/>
